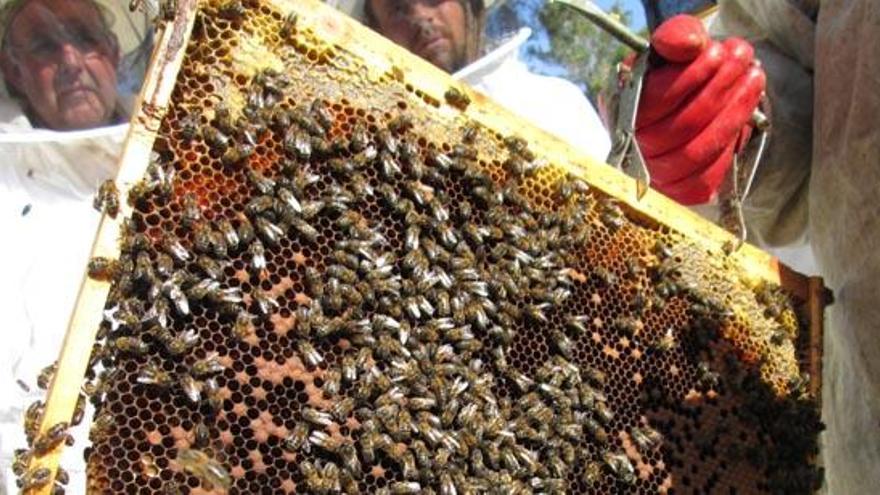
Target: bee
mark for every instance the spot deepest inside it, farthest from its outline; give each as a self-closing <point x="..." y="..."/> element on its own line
<point x="708" y="379"/>
<point x="107" y="198"/>
<point x="523" y="383"/>
<point x="53" y="437"/>
<point x="612" y="216"/>
<point x="182" y="343"/>
<point x="215" y="139"/>
<point x="309" y="353"/>
<point x="258" y="257"/>
<point x="35" y="478"/>
<point x="603" y="412"/>
<point x="20" y="461"/>
<point x="628" y="325"/>
<point x="173" y="246"/>
<point x="228" y="232"/>
<point x="399" y="123"/>
<point x="322" y="114"/>
<point x="153" y="374"/>
<point x="646" y="438"/>
<point x="405" y="487"/>
<point x="270" y="232"/>
<point x="102" y="427"/>
<point x="190" y="387"/>
<point x="103" y="269"/>
<point x="46" y="375"/>
<point x="209" y="365"/>
<point x="264" y="303"/>
<point x="176" y="295"/>
<point x="130" y="345"/>
<point x="297" y="143"/>
<point x="298" y="438"/>
<point x="243" y="327"/>
<point x="79" y="410"/>
<point x="324" y="441"/>
<point x="205" y="468"/>
<point x="316" y="417"/>
<point x="289" y="26"/>
<point x="245" y="230"/>
<point x="621" y="467"/>
<point x="457" y="98"/>
<point x="237" y="154"/>
<point x="189" y="125"/>
<point x="308" y="232"/>
<point x="192" y="212"/>
<point x="665" y="343"/>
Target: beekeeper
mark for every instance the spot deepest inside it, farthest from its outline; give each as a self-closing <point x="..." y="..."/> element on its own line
<point x="448" y="34"/>
<point x="820" y="180"/>
<point x="70" y="69"/>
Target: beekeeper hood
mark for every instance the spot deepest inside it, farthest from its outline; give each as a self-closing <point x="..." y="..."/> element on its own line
<point x="64" y="59"/>
<point x="476" y="9"/>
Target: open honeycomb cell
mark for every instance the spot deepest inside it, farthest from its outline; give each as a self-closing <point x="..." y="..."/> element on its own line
<point x="328" y="285"/>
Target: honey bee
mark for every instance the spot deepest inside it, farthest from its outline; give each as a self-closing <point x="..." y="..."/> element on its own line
<point x="457" y="98"/>
<point x="238" y="153"/>
<point x="289" y="26"/>
<point x="309" y="353"/>
<point x="173" y="246"/>
<point x="51" y="438"/>
<point x="308" y="232"/>
<point x="46" y="375"/>
<point x="246" y="232"/>
<point x="621" y="467"/>
<point x="153" y="374"/>
<point x="103" y="426"/>
<point x="708" y="379"/>
<point x="208" y="365"/>
<point x="316" y="417"/>
<point x="264" y="303"/>
<point x="243" y="327"/>
<point x="646" y="438"/>
<point x="298" y="438"/>
<point x="270" y="232"/>
<point x="191" y="212"/>
<point x="103" y="269"/>
<point x="107" y="198"/>
<point x="200" y="465"/>
<point x="130" y="345"/>
<point x="215" y="139"/>
<point x="190" y="387"/>
<point x="35" y="478"/>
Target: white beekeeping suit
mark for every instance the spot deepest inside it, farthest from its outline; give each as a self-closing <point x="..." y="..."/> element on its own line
<point x="48" y="180"/>
<point x="553" y="104"/>
<point x="822" y="177"/>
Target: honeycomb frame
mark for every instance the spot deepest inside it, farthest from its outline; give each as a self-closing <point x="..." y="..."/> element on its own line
<point x="426" y="86"/>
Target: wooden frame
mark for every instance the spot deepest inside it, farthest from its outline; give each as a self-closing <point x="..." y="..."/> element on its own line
<point x="381" y="56"/>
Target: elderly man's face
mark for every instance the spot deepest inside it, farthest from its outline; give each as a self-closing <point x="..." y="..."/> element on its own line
<point x="64" y="62"/>
<point x="432" y="29"/>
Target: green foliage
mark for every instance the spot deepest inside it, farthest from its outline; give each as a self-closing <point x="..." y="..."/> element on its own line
<point x="587" y="53"/>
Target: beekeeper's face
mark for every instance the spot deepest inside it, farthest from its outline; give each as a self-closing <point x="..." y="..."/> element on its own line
<point x="435" y="30"/>
<point x="61" y="56"/>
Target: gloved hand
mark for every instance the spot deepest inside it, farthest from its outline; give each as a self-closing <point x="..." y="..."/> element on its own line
<point x="695" y="111"/>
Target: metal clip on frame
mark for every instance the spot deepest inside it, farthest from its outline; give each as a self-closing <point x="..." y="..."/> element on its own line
<point x="625" y="153"/>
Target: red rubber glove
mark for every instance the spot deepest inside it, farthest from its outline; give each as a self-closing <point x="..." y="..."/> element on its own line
<point x="695" y="111"/>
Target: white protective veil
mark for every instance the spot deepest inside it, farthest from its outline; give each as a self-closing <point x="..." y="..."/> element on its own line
<point x="47" y="182"/>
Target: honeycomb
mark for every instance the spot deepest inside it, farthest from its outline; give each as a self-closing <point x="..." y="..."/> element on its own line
<point x="336" y="283"/>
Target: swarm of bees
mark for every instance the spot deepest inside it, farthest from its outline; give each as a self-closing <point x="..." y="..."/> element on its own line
<point x="365" y="309"/>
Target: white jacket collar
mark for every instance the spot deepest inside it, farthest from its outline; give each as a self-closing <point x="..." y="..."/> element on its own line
<point x="489" y="63"/>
